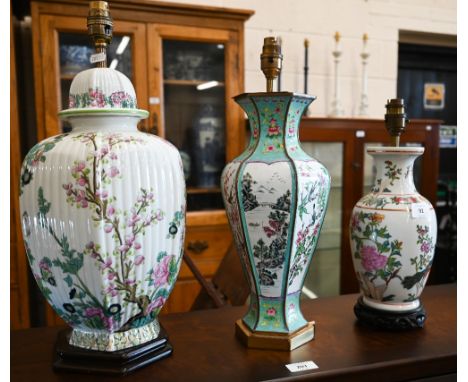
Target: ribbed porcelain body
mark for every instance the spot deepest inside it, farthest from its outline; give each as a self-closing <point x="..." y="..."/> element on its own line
<point x="275" y="197"/>
<point x="103" y="218"/>
<point x="393" y="232"/>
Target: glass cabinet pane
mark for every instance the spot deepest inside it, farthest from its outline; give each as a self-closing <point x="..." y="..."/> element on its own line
<point x="75" y="51"/>
<point x="194" y="114"/>
<point x="323" y="278"/>
<point x="370" y="171"/>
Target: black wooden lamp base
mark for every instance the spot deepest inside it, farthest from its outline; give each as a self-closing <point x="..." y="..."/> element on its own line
<point x="413" y="319"/>
<point x="73" y="359"/>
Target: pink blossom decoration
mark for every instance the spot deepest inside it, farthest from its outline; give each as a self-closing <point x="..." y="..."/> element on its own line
<point x="161" y="271"/>
<point x="156" y="303"/>
<point x="271" y="312"/>
<point x="139" y="259"/>
<point x="113" y="171"/>
<point x="371" y="259"/>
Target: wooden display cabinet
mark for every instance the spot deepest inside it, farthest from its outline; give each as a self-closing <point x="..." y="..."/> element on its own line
<point x="166" y="50"/>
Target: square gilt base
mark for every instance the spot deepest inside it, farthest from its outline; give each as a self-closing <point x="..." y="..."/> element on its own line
<point x="274" y="341"/>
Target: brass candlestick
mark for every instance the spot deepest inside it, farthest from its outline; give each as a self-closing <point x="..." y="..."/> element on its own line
<point x="100" y="28"/>
<point x="395" y="119"/>
<point x="271" y="60"/>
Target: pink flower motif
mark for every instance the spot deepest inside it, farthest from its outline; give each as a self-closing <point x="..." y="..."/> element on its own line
<point x="139" y="259"/>
<point x="91" y="312"/>
<point x="111" y="290"/>
<point x="271" y="312"/>
<point x="107" y="263"/>
<point x="82" y="181"/>
<point x="129" y="239"/>
<point x="108" y="228"/>
<point x="113" y="172"/>
<point x="71" y="102"/>
<point x="124" y="248"/>
<point x="103" y="194"/>
<point x="113" y="156"/>
<point x="133" y="220"/>
<point x="43" y="265"/>
<point x="274" y="128"/>
<point x="109" y="322"/>
<point x="97" y="98"/>
<point x="104" y="150"/>
<point x="110" y="210"/>
<point x="156" y="303"/>
<point x="270" y="148"/>
<point x="80" y="166"/>
<point x="316" y="229"/>
<point x="371" y="259"/>
<point x="68" y="187"/>
<point x="90" y="245"/>
<point x="111" y="276"/>
<point x="80" y="195"/>
<point x="137" y="246"/>
<point x="425" y="247"/>
<point x="161" y="271"/>
<point x="159" y="216"/>
<point x="129" y="282"/>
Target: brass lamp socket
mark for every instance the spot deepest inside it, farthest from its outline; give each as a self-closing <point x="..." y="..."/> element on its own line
<point x="271" y="60"/>
<point x="395" y="119"/>
<point x="100" y="26"/>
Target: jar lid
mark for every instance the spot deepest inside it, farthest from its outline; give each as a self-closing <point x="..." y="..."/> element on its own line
<point x="102" y="91"/>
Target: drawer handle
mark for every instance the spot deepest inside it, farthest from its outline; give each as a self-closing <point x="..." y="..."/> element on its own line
<point x="197" y="246"/>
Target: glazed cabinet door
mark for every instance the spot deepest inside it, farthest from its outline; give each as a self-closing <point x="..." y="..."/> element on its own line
<point x="193" y="75"/>
<point x="63" y="47"/>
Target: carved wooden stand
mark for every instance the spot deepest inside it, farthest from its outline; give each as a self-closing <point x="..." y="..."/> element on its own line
<point x="73" y="359"/>
<point x="413" y="319"/>
<point x="274" y="341"/>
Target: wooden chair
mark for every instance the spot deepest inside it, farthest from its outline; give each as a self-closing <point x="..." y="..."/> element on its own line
<point x="228" y="285"/>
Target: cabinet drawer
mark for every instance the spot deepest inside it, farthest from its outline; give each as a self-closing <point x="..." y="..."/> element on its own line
<point x="206" y="245"/>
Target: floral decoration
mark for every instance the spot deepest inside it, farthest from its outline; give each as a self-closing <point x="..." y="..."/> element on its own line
<point x="422" y="263"/>
<point x="95" y="98"/>
<point x="89" y="191"/>
<point x="35" y="156"/>
<point x="393" y="171"/>
<point x="379" y="254"/>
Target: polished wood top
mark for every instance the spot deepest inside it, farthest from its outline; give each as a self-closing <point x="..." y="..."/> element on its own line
<point x="205" y="348"/>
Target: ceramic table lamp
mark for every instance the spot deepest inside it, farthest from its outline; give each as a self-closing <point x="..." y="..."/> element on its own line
<point x="393" y="235"/>
<point x="276" y="197"/>
<point x="103" y="219"/>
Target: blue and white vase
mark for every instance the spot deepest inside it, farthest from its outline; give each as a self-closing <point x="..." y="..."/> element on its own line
<point x="276" y="197"/>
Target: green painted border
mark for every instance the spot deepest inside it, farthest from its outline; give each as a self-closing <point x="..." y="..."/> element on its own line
<point x="92" y="112"/>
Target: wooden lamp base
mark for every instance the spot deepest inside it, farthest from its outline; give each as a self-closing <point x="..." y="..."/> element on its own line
<point x="74" y="359"/>
<point x="413" y="319"/>
<point x="274" y="341"/>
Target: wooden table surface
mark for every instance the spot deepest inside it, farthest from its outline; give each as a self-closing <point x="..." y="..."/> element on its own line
<point x="205" y="348"/>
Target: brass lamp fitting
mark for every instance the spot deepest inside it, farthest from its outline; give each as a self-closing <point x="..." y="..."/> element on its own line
<point x="395" y="119"/>
<point x="271" y="60"/>
<point x="100" y="27"/>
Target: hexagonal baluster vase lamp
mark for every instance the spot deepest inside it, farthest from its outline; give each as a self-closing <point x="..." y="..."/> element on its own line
<point x="276" y="197"/>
